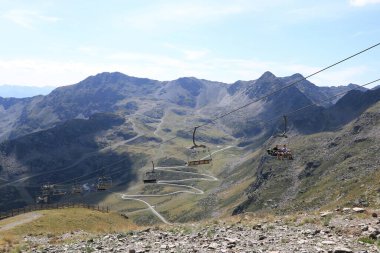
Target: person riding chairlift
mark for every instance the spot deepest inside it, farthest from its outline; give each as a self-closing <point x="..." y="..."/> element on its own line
<point x="280" y="153"/>
<point x="286" y="153"/>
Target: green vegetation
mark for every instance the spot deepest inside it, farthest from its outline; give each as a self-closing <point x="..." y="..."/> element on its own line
<point x="367" y="240"/>
<point x="308" y="220"/>
<point x="326" y="220"/>
<point x="54" y="223"/>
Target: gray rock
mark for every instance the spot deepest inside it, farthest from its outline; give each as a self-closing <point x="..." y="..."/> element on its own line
<point x="324" y="214"/>
<point x="342" y="250"/>
<point x="358" y="210"/>
<point x="213" y="246"/>
<point x="262" y="237"/>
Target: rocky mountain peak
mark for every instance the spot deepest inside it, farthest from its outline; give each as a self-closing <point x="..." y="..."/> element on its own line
<point x="191" y="84"/>
<point x="107" y="78"/>
<point x="353" y="86"/>
<point x="267" y="76"/>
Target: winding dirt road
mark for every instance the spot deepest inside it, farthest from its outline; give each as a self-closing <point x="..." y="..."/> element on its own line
<point x="176" y="183"/>
<point x="23" y="218"/>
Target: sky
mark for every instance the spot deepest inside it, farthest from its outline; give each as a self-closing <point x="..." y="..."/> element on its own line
<point x="61" y="42"/>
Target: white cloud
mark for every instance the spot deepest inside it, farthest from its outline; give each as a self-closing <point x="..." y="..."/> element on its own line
<point x="195" y="54"/>
<point x="311" y="12"/>
<point x="360" y="3"/>
<point x="189" y="54"/>
<point x="28" y="19"/>
<point x="89" y="50"/>
<point x="37" y="72"/>
<point x="182" y="13"/>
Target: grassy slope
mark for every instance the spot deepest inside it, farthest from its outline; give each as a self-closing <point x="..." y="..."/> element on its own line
<point x="174" y="208"/>
<point x="54" y="223"/>
<point x="291" y="185"/>
<point x="330" y="169"/>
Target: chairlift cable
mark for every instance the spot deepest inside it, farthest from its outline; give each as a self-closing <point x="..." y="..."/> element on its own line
<point x="246" y="105"/>
<point x="261" y="121"/>
<point x="259" y="99"/>
<point x="287" y="86"/>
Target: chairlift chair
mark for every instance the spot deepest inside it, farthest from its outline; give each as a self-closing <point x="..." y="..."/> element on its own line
<point x="52" y="190"/>
<point x="198" y="154"/>
<point x="104" y="183"/>
<point x="58" y="190"/>
<point x="48" y="192"/>
<point x="278" y="151"/>
<point x="46" y="189"/>
<point x="76" y="189"/>
<point x="150" y="177"/>
<point x="42" y="199"/>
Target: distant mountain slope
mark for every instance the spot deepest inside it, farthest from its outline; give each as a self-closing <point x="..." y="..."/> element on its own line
<point x="55" y="147"/>
<point x="268" y="82"/>
<point x="348" y="108"/>
<point x="106" y="92"/>
<point x="192" y="92"/>
<point x="14" y="91"/>
<point x="256" y="122"/>
<point x="63" y="152"/>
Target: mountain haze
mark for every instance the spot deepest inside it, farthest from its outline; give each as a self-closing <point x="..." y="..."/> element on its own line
<point x="16" y="91"/>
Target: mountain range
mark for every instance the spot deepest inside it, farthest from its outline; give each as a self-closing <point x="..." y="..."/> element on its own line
<point x="119" y="93"/>
<point x="115" y="124"/>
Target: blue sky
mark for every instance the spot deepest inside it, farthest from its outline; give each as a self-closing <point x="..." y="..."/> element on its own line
<point x="61" y="42"/>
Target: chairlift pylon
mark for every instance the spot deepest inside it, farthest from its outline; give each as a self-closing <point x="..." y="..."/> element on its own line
<point x="285" y="128"/>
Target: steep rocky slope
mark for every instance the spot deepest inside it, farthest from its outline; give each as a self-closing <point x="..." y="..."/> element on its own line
<point x="330" y="169"/>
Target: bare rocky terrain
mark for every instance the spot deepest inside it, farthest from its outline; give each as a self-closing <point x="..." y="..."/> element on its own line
<point x="344" y="230"/>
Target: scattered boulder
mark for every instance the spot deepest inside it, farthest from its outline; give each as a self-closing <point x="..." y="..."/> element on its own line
<point x="213" y="246"/>
<point x="262" y="237"/>
<point x="326" y="213"/>
<point x="241" y="236"/>
<point x="342" y="250"/>
<point x="358" y="210"/>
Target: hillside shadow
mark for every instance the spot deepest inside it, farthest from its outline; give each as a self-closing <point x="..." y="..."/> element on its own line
<point x="63" y="155"/>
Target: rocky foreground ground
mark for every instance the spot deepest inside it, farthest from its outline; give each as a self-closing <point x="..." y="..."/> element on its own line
<point x="337" y="232"/>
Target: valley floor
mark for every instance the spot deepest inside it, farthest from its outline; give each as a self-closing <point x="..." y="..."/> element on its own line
<point x="338" y="231"/>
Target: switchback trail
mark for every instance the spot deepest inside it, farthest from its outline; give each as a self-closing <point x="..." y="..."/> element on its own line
<point x="176" y="183"/>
